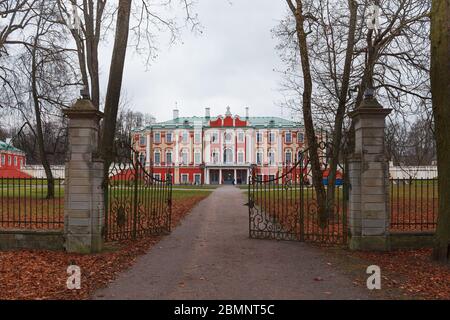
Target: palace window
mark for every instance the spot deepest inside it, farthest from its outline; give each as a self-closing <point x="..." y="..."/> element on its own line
<point x="241" y="137"/>
<point x="169" y="137"/>
<point x="214" y="137"/>
<point x="240" y="157"/>
<point x="185" y="137"/>
<point x="259" y="157"/>
<point x="228" y="156"/>
<point x="157" y="137"/>
<point x="271" y="157"/>
<point x="184" y="157"/>
<point x="259" y="137"/>
<point x="228" y="137"/>
<point x="215" y="157"/>
<point x="300" y="137"/>
<point x="157" y="176"/>
<point x="185" y="178"/>
<point x="9" y="160"/>
<point x="271" y="137"/>
<point x="157" y="157"/>
<point x="288" y="157"/>
<point x="3" y="159"/>
<point x="197" y="138"/>
<point x="197" y="157"/>
<point x="169" y="158"/>
<point x="197" y="179"/>
<point x="142" y="158"/>
<point x="142" y="140"/>
<point x="288" y="137"/>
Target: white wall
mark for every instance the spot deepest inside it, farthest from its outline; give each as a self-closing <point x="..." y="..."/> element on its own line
<point x="415" y="172"/>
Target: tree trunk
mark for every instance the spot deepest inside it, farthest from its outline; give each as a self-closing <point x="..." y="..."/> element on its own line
<point x="313" y="146"/>
<point x="340" y="112"/>
<point x="115" y="82"/>
<point x="440" y="88"/>
<point x="38" y="132"/>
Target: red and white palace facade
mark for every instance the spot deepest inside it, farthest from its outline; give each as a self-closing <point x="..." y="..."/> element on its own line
<point x="219" y="150"/>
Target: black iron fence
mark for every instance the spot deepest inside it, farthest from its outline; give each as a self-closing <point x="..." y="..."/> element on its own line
<point x="136" y="202"/>
<point x="25" y="204"/>
<point x="414" y="204"/>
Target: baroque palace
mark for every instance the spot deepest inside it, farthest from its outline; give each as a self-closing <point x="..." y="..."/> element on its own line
<point x="219" y="150"/>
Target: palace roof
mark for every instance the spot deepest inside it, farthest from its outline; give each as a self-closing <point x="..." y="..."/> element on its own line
<point x="7" y="147"/>
<point x="252" y="122"/>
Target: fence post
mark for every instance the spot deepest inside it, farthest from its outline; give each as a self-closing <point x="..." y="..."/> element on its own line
<point x="369" y="215"/>
<point x="84" y="203"/>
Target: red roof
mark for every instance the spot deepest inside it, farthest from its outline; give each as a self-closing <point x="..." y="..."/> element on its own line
<point x="13" y="173"/>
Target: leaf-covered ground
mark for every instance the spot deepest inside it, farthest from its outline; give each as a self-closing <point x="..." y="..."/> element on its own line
<point x="413" y="272"/>
<point x="29" y="274"/>
<point x="405" y="274"/>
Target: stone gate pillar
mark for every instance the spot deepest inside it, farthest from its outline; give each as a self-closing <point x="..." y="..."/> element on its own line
<point x="83" y="206"/>
<point x="369" y="215"/>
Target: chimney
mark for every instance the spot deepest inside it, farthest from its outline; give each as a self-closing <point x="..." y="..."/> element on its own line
<point x="207" y="113"/>
<point x="176" y="114"/>
<point x="246" y="113"/>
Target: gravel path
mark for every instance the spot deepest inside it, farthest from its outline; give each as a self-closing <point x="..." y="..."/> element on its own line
<point x="210" y="256"/>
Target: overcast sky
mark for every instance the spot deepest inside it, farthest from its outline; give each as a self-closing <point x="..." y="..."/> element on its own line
<point x="231" y="64"/>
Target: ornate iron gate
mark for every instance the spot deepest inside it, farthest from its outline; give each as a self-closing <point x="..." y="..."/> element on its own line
<point x="136" y="202"/>
<point x="285" y="207"/>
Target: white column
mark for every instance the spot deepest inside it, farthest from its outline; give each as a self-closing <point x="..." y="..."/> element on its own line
<point x="235" y="176"/>
<point x="220" y="176"/>
<point x="207" y="176"/>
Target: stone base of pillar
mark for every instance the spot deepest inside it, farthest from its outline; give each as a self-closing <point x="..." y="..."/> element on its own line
<point x="370" y="243"/>
<point x="84" y="203"/>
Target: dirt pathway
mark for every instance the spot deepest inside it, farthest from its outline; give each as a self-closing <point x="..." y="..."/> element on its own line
<point x="210" y="256"/>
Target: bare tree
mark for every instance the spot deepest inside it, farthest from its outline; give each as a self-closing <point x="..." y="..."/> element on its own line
<point x="339" y="56"/>
<point x="44" y="78"/>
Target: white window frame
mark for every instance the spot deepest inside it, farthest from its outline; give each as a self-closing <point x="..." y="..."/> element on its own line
<point x="230" y="135"/>
<point x="241" y="137"/>
<point x="199" y="154"/>
<point x="142" y="140"/>
<point x="271" y="157"/>
<point x="288" y="133"/>
<point x="184" y="152"/>
<point x="9" y="161"/>
<point x="199" y="175"/>
<point x="3" y="160"/>
<point x="214" y="137"/>
<point x="197" y="137"/>
<point x="157" y="152"/>
<point x="285" y="156"/>
<point x="259" y="137"/>
<point x="157" y="134"/>
<point x="300" y="134"/>
<point x="183" y="175"/>
<point x="157" y="176"/>
<point x="168" y="134"/>
<point x="226" y="160"/>
<point x="215" y="156"/>
<point x="272" y="138"/>
<point x="240" y="157"/>
<point x="171" y="157"/>
<point x="259" y="158"/>
<point x="183" y="135"/>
